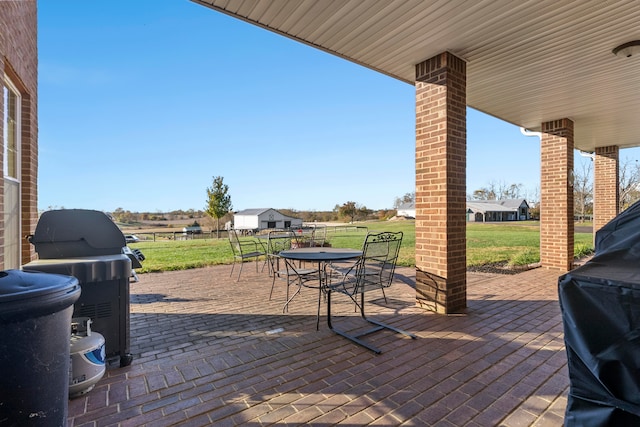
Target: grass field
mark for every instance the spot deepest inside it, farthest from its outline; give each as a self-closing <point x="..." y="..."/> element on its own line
<point x="516" y="244"/>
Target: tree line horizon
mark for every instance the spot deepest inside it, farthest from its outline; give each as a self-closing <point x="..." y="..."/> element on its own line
<point x="219" y="207"/>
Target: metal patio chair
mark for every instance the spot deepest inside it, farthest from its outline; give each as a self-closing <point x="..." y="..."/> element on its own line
<point x="373" y="271"/>
<point x="319" y="236"/>
<point x="277" y="240"/>
<point x="302" y="237"/>
<point x="244" y="249"/>
<point x="375" y="275"/>
<point x="283" y="269"/>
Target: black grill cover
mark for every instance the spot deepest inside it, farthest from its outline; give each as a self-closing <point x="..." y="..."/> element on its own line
<point x="70" y="233"/>
<point x="600" y="305"/>
<point x="622" y="231"/>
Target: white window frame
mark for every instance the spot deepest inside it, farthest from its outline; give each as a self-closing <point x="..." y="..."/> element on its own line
<point x="9" y="86"/>
<point x="12" y="187"/>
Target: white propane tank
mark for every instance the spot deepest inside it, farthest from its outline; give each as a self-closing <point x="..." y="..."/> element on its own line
<point x="88" y="356"/>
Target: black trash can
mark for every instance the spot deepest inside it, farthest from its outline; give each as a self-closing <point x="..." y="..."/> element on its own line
<point x="35" y="332"/>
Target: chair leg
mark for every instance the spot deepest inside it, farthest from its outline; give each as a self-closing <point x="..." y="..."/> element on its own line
<point x="240" y="271"/>
<point x="353" y="338"/>
<point x="319" y="300"/>
<point x="382" y="287"/>
<point x="323" y="277"/>
<point x="286" y="304"/>
<point x="257" y="259"/>
<point x="380" y="324"/>
<point x="356" y="338"/>
<point x="233" y="266"/>
<point x="384" y="295"/>
<point x="273" y="284"/>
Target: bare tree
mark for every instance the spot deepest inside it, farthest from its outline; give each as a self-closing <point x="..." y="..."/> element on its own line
<point x="498" y="191"/>
<point x="503" y="190"/>
<point x="583" y="190"/>
<point x="532" y="196"/>
<point x="513" y="191"/>
<point x="629" y="183"/>
<point x="407" y="198"/>
<point x="484" y="193"/>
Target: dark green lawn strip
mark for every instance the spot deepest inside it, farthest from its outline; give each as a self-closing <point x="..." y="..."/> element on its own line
<point x="486" y="244"/>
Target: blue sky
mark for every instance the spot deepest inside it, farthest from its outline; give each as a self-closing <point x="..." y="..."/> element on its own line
<point x="142" y="103"/>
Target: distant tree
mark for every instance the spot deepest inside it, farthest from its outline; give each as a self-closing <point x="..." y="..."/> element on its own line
<point x="117" y="214"/>
<point x="407" y="198"/>
<point x="290" y="212"/>
<point x="363" y="212"/>
<point x="534" y="210"/>
<point x="583" y="190"/>
<point x="349" y="210"/>
<point x="123" y="216"/>
<point x="498" y="191"/>
<point x="532" y="196"/>
<point x="218" y="201"/>
<point x="629" y="184"/>
<point x="628" y="179"/>
<point x="384" y="214"/>
<point x="483" y="194"/>
<point x="511" y="191"/>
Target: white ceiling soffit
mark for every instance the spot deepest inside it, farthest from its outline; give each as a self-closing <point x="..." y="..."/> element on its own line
<point x="527" y="61"/>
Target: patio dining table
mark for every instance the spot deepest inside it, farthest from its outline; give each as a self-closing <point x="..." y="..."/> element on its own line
<point x="322" y="256"/>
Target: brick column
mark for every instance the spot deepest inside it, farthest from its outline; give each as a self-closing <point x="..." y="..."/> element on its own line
<point x="606" y="186"/>
<point x="441" y="150"/>
<point x="556" y="191"/>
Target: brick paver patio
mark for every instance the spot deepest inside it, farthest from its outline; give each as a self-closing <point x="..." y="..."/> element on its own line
<point x="212" y="351"/>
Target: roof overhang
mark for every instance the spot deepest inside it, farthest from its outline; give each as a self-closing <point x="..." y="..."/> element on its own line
<point x="528" y="62"/>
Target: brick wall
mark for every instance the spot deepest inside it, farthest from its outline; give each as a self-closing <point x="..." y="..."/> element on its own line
<point x="441" y="183"/>
<point x="556" y="195"/>
<point x="18" y="60"/>
<point x="606" y="186"/>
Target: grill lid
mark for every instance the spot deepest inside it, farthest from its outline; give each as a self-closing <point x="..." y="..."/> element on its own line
<point x="70" y="233"/>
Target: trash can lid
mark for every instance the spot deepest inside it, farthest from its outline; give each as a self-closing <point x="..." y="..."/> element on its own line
<point x="31" y="294"/>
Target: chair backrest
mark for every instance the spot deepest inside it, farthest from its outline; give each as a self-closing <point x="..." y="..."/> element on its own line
<point x="302" y="236"/>
<point x="319" y="236"/>
<point x="279" y="241"/>
<point x="236" y="247"/>
<point x="378" y="263"/>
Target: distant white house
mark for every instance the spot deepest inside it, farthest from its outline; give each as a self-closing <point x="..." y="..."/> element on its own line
<point x="497" y="210"/>
<point x="261" y="219"/>
<point x="407" y="210"/>
<point x="484" y="210"/>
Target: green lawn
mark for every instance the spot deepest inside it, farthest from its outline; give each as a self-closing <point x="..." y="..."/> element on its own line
<point x="486" y="243"/>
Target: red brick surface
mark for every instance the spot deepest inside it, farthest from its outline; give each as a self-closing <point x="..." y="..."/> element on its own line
<point x="207" y="352"/>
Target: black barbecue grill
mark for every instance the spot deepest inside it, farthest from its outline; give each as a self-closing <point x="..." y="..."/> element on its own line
<point x="87" y="244"/>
